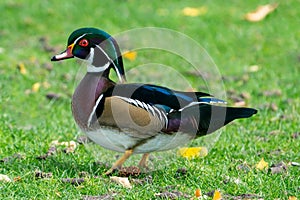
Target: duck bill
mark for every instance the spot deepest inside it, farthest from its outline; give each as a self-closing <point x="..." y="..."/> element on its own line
<point x="65" y="54"/>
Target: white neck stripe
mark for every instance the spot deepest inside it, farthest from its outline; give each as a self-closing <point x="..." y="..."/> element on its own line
<point x="92" y="68"/>
<point x="118" y="73"/>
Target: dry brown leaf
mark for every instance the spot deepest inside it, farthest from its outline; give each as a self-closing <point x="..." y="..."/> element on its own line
<point x="42" y="175"/>
<point x="121" y="180"/>
<point x="278" y="168"/>
<point x="194" y="12"/>
<point x="261" y="12"/>
<point x="129" y="171"/>
<point x="73" y="181"/>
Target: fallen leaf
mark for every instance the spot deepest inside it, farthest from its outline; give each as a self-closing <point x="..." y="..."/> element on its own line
<point x="83" y="174"/>
<point x="198" y="193"/>
<point x="46" y="84"/>
<point x="217" y="195"/>
<point x="48" y="66"/>
<point x="275" y="132"/>
<point x="171" y="195"/>
<point x="35" y="87"/>
<point x="245" y="95"/>
<point x="42" y="175"/>
<point x="22" y="68"/>
<point x="180" y="172"/>
<point x="146" y="180"/>
<point x="83" y="140"/>
<point x="245" y="197"/>
<point x="14" y="157"/>
<point x="73" y="181"/>
<point x="295" y="164"/>
<point x="52" y="96"/>
<point x="296" y="135"/>
<point x="18" y="178"/>
<point x="240" y="103"/>
<point x="261" y="12"/>
<point x="270" y="93"/>
<point x="70" y="146"/>
<point x="100" y="197"/>
<point x="253" y="68"/>
<point x="194" y="12"/>
<point x="292" y="198"/>
<point x="121" y="180"/>
<point x="46" y="47"/>
<point x="50" y="152"/>
<point x="278" y="168"/>
<point x="130" y="55"/>
<point x="129" y="171"/>
<point x="243" y="167"/>
<point x="262" y="164"/>
<point x="4" y="178"/>
<point x="193" y="152"/>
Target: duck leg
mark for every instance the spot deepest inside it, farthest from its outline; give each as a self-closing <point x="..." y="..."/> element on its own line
<point x="144" y="161"/>
<point x="118" y="164"/>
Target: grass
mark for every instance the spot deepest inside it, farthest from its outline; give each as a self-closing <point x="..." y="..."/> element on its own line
<point x="29" y="121"/>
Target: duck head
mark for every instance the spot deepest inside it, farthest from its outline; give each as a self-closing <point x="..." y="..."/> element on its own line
<point x="97" y="48"/>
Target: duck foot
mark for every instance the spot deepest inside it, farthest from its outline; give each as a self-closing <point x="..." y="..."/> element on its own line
<point x="118" y="164"/>
<point x="143" y="164"/>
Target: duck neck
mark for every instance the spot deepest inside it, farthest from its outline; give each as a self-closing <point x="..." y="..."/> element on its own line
<point x="86" y="95"/>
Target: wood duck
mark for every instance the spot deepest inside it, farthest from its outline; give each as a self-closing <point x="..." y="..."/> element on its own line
<point x="136" y="118"/>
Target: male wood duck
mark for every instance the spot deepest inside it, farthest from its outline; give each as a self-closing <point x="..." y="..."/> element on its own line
<point x="136" y="118"/>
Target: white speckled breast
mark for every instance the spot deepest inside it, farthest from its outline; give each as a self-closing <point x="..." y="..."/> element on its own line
<point x="113" y="139"/>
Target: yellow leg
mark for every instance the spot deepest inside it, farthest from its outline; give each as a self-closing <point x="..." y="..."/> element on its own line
<point x="143" y="162"/>
<point x="120" y="162"/>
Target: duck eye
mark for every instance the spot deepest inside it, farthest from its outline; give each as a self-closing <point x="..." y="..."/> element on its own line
<point x="83" y="42"/>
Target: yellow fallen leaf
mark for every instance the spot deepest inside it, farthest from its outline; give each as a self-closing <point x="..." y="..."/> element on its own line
<point x="22" y="68"/>
<point x="198" y="193"/>
<point x="46" y="84"/>
<point x="262" y="164"/>
<point x="130" y="55"/>
<point x="121" y="180"/>
<point x="35" y="87"/>
<point x="193" y="152"/>
<point x="253" y="68"/>
<point x="194" y="12"/>
<point x="261" y="12"/>
<point x="4" y="178"/>
<point x="292" y="198"/>
<point x="217" y="195"/>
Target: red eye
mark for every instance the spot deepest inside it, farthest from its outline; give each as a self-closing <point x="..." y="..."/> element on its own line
<point x="83" y="42"/>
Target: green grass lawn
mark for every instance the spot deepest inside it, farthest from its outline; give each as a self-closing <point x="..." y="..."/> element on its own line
<point x="29" y="121"/>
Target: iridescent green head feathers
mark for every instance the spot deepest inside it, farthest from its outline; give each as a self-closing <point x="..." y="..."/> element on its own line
<point x="97" y="47"/>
